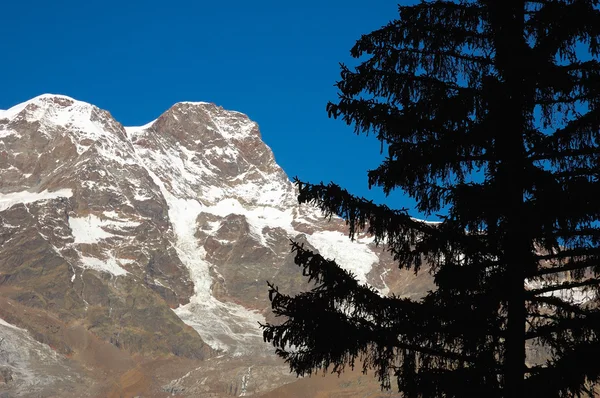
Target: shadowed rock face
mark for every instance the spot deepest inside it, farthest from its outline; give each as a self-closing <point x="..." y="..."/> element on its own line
<point x="135" y="254"/>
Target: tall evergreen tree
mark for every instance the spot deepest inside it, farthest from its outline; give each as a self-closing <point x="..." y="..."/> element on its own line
<point x="490" y="110"/>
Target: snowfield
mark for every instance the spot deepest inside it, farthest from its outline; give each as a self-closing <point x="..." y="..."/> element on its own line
<point x="8" y="200"/>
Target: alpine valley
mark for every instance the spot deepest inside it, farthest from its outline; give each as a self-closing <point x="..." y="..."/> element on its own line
<point x="134" y="260"/>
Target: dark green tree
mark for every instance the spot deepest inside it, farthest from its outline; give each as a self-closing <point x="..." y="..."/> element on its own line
<point x="489" y="111"/>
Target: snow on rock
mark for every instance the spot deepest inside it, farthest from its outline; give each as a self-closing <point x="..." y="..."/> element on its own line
<point x="110" y="264"/>
<point x="194" y="103"/>
<point x="48" y="109"/>
<point x="10" y="199"/>
<point x="230" y="124"/>
<point x="355" y="257"/>
<point x="88" y="229"/>
<point x="9" y="325"/>
<point x="223" y="326"/>
<point x="132" y="131"/>
<point x="93" y="229"/>
<point x="86" y="124"/>
<point x="217" y="166"/>
<point x="31" y="365"/>
<point x="258" y="217"/>
<point x="7" y="133"/>
<point x="186" y="171"/>
<point x="217" y="322"/>
<point x="575" y="295"/>
<point x="245" y="381"/>
<point x="12" y="112"/>
<point x="270" y="193"/>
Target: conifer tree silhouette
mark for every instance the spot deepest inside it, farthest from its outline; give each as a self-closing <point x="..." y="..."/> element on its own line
<point x="491" y="110"/>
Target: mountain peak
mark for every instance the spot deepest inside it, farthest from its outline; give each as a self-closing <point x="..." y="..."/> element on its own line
<point x="51" y="96"/>
<point x="153" y="241"/>
<point x="38" y="105"/>
<point x="196" y="116"/>
<point x="195" y="103"/>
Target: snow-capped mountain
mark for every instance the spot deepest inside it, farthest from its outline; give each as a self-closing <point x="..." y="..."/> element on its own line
<point x="121" y="244"/>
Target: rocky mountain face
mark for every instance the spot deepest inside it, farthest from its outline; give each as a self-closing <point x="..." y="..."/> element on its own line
<point x="133" y="260"/>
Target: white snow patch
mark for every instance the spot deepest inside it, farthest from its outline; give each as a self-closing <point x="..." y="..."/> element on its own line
<point x="109" y="265"/>
<point x="386" y="289"/>
<point x="88" y="229"/>
<point x="9" y="325"/>
<point x="245" y="381"/>
<point x="212" y="226"/>
<point x="10" y="199"/>
<point x="141" y="197"/>
<point x="136" y="129"/>
<point x="111" y="214"/>
<point x="91" y="229"/>
<point x="435" y="222"/>
<point x="7" y="133"/>
<point x="575" y="295"/>
<point x="267" y="192"/>
<point x="195" y="103"/>
<point x="158" y="283"/>
<point x="226" y="152"/>
<point x="354" y="256"/>
<point x="258" y="217"/>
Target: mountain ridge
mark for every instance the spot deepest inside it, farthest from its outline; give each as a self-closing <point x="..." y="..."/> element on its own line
<point x="157" y="240"/>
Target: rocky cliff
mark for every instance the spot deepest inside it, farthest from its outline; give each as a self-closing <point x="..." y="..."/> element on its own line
<point x="137" y="256"/>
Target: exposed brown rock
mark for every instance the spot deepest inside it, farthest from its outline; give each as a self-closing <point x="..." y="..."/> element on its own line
<point x="96" y="271"/>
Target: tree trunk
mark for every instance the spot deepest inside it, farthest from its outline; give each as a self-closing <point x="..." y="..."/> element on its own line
<point x="507" y="18"/>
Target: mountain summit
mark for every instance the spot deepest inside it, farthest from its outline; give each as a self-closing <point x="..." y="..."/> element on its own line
<point x="134" y="256"/>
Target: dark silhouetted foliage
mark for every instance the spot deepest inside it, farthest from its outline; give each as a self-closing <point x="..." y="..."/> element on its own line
<point x="490" y="112"/>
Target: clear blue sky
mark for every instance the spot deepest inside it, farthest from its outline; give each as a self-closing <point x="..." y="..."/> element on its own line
<point x="276" y="61"/>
